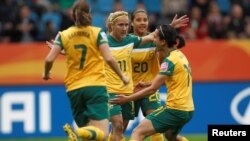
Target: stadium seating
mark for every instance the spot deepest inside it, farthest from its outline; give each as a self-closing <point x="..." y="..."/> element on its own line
<point x="99" y="20"/>
<point x="224" y="6"/>
<point x="129" y="5"/>
<point x="104" y="6"/>
<point x="51" y="16"/>
<point x="152" y="6"/>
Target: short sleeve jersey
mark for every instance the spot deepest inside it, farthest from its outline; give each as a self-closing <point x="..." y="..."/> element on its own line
<point x="121" y="51"/>
<point x="85" y="65"/>
<point x="145" y="63"/>
<point x="179" y="81"/>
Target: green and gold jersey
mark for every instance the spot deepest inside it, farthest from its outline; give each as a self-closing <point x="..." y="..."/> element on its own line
<point x="85" y="65"/>
<point x="178" y="82"/>
<point x="145" y="63"/>
<point x="121" y="51"/>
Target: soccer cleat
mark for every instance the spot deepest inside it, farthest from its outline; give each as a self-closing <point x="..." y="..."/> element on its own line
<point x="69" y="131"/>
<point x="90" y="133"/>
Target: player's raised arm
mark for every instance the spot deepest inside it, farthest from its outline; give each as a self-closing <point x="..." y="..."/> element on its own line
<point x="179" y="22"/>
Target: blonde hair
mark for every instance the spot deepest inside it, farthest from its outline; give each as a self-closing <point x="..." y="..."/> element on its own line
<point x="112" y="18"/>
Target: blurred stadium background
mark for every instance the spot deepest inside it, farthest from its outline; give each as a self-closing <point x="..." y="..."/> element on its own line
<point x="218" y="48"/>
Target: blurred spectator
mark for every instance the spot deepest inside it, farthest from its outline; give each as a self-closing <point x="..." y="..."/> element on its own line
<point x="25" y="28"/>
<point x="247" y="28"/>
<point x="237" y="23"/>
<point x="117" y="6"/>
<point x="67" y="19"/>
<point x="246" y="8"/>
<point x="43" y="3"/>
<point x="49" y="31"/>
<point x="7" y="17"/>
<point x="214" y="20"/>
<point x="172" y="7"/>
<point x="198" y="26"/>
<point x="140" y="5"/>
<point x="203" y="5"/>
<point x="54" y="17"/>
<point x="40" y="19"/>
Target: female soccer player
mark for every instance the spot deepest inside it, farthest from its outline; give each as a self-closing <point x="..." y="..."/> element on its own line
<point x="121" y="45"/>
<point x="85" y="49"/>
<point x="175" y="72"/>
<point x="146" y="65"/>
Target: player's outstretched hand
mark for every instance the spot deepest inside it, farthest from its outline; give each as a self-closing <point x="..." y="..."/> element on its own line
<point x="50" y="45"/>
<point x="120" y="99"/>
<point x="180" y="22"/>
<point x="46" y="76"/>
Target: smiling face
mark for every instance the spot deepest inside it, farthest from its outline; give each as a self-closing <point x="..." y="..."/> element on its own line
<point x="140" y="23"/>
<point x="160" y="44"/>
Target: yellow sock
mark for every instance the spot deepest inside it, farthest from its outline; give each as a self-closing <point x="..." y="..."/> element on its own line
<point x="110" y="137"/>
<point x="157" y="137"/>
<point x="123" y="139"/>
<point x="91" y="133"/>
<point x="184" y="139"/>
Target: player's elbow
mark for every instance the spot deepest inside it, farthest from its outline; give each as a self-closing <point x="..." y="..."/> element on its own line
<point x="49" y="60"/>
<point x="153" y="89"/>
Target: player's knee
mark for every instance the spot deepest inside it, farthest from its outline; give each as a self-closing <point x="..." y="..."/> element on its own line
<point x="138" y="132"/>
<point x="118" y="127"/>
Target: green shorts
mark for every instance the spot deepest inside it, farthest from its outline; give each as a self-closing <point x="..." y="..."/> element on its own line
<point x="147" y="103"/>
<point x="127" y="109"/>
<point x="89" y="103"/>
<point x="164" y="119"/>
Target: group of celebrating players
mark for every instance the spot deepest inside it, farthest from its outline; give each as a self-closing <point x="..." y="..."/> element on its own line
<point x="111" y="75"/>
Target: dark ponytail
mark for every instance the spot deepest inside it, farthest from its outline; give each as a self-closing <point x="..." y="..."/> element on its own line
<point x="181" y="43"/>
<point x="170" y="35"/>
<point x="81" y="13"/>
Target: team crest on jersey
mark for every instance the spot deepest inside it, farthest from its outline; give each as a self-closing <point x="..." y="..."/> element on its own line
<point x="151" y="54"/>
<point x="164" y="66"/>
